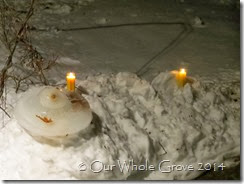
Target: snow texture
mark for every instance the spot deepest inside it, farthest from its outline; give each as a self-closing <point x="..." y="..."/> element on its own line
<point x="134" y="119"/>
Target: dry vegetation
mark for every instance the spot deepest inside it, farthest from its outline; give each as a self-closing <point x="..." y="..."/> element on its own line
<point x="24" y="65"/>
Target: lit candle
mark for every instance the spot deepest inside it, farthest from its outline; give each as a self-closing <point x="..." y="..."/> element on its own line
<point x="70" y="78"/>
<point x="181" y="77"/>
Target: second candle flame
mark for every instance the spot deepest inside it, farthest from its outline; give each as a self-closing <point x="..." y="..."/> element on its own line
<point x="70" y="77"/>
<point x="183" y="71"/>
<point x="181" y="77"/>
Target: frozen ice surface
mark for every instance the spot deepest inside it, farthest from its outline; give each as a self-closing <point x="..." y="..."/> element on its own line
<point x="134" y="119"/>
<point x="48" y="111"/>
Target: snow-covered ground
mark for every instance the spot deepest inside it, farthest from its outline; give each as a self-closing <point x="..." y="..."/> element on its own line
<point x="139" y="121"/>
<point x="146" y="118"/>
<point x="208" y="50"/>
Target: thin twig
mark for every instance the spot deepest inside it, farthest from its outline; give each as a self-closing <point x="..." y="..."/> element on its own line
<point x="5" y="112"/>
<point x="8" y="43"/>
<point x="9" y="61"/>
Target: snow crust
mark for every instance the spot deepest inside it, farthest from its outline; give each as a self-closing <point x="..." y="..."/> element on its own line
<point x="134" y="120"/>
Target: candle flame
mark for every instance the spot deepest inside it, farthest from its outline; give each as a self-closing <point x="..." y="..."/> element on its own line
<point x="71" y="75"/>
<point x="182" y="70"/>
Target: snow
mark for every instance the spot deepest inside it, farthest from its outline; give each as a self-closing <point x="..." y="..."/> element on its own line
<point x="58" y="9"/>
<point x="67" y="61"/>
<point x="133" y="119"/>
<point x="144" y="118"/>
<point x="207" y="50"/>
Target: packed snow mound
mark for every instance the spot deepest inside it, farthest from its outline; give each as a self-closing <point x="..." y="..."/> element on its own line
<point x="134" y="120"/>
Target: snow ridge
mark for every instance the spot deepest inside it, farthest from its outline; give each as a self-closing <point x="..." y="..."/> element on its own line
<point x="134" y="120"/>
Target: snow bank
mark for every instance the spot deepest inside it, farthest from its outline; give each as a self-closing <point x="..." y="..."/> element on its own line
<point x="134" y="121"/>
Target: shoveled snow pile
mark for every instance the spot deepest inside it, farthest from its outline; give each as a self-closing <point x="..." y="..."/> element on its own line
<point x="134" y="120"/>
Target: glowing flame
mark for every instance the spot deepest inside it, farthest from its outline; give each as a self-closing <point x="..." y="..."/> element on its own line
<point x="70" y="75"/>
<point x="182" y="70"/>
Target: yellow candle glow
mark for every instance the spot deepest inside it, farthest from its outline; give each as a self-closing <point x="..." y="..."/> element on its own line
<point x="70" y="78"/>
<point x="181" y="77"/>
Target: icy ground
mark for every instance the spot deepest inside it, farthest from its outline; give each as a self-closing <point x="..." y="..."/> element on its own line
<point x="210" y="49"/>
<point x="139" y="121"/>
